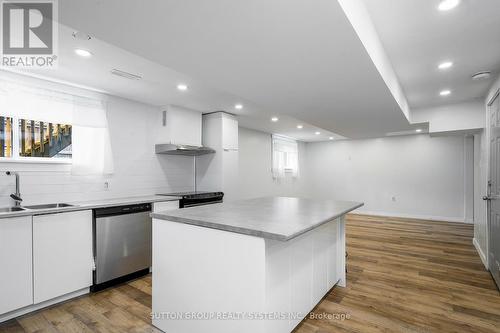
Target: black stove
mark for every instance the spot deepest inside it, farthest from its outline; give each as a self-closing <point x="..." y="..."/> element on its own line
<point x="196" y="198"/>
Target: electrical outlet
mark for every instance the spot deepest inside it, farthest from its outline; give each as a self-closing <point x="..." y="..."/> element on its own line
<point x="394" y="199"/>
<point x="106" y="185"/>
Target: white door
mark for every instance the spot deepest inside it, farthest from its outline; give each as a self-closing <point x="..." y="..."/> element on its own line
<point x="494" y="191"/>
<point x="16" y="288"/>
<point x="62" y="254"/>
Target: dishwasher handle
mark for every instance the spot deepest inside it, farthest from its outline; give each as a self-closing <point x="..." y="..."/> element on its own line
<point x="122" y="210"/>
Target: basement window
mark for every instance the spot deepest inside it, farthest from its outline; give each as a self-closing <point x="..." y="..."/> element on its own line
<point x="43" y="122"/>
<point x="34" y="140"/>
<point x="285" y="155"/>
<point x="44" y="139"/>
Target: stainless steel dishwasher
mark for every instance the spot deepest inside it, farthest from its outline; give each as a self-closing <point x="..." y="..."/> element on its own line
<point x="122" y="244"/>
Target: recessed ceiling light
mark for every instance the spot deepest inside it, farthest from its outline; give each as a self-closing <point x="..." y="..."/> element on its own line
<point x="274" y="119"/>
<point x="448" y="4"/>
<point x="238" y="106"/>
<point x="331" y="138"/>
<point x="300" y="126"/>
<point x="182" y="87"/>
<point x="317" y="133"/>
<point x="481" y="75"/>
<point x="418" y="130"/>
<point x="445" y="93"/>
<point x="83" y="53"/>
<point x="445" y="65"/>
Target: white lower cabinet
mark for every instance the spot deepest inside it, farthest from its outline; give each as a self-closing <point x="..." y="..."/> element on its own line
<point x="16" y="289"/>
<point x="62" y="254"/>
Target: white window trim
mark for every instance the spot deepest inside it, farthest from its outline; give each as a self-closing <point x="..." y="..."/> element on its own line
<point x="35" y="160"/>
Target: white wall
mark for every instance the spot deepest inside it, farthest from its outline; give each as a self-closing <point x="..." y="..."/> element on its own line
<point x="469" y="179"/>
<point x="134" y="128"/>
<point x="453" y="117"/>
<point x="430" y="177"/>
<point x="425" y="175"/>
<point x="255" y="168"/>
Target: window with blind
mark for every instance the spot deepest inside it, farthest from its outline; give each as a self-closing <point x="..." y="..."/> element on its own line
<point x="42" y="122"/>
<point x="285" y="154"/>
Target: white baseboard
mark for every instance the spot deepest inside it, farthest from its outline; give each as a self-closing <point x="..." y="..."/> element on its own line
<point x="483" y="257"/>
<point x="34" y="307"/>
<point x="411" y="216"/>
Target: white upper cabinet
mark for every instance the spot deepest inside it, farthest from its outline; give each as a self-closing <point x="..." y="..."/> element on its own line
<point x="16" y="284"/>
<point x="180" y="126"/>
<point x="219" y="172"/>
<point x="62" y="254"/>
<point x="229" y="133"/>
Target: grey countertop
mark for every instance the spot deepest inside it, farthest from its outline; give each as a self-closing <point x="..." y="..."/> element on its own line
<point x="84" y="205"/>
<point x="280" y="218"/>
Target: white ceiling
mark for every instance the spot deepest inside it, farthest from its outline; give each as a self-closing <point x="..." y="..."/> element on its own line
<point x="158" y="85"/>
<point x="301" y="61"/>
<point x="290" y="58"/>
<point x="417" y="37"/>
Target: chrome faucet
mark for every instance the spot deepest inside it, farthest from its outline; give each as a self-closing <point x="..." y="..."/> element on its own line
<point x="16" y="196"/>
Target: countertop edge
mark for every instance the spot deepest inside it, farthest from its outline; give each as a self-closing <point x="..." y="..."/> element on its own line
<point x="216" y="226"/>
<point x="247" y="231"/>
<point x="87" y="205"/>
<point x="344" y="212"/>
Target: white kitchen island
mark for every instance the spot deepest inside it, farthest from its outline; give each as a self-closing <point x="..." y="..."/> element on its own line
<point x="258" y="265"/>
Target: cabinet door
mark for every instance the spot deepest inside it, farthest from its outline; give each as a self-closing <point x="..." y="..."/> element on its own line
<point x="16" y="287"/>
<point x="62" y="254"/>
<point x="229" y="134"/>
<point x="183" y="126"/>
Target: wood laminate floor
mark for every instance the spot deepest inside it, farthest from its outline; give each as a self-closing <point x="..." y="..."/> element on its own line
<point x="404" y="275"/>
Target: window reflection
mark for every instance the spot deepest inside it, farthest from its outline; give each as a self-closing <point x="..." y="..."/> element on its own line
<point x="5" y="137"/>
<point x="44" y="139"/>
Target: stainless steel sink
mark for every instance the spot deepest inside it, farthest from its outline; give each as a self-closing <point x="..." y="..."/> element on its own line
<point x="48" y="206"/>
<point x="11" y="209"/>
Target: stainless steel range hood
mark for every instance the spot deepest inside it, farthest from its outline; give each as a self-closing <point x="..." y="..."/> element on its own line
<point x="171" y="149"/>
